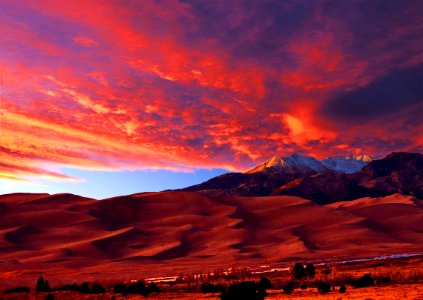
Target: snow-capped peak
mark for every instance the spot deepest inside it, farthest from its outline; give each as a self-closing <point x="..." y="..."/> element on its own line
<point x="348" y="165"/>
<point x="362" y="157"/>
<point x="290" y="164"/>
<point x="275" y="161"/>
<point x="305" y="164"/>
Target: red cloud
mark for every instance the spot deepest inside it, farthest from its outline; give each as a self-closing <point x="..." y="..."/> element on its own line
<point x="109" y="85"/>
<point x="84" y="41"/>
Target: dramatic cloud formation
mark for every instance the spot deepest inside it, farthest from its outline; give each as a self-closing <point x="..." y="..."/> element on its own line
<point x="177" y="85"/>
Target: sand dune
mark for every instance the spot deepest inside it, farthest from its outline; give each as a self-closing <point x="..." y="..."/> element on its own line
<point x="21" y="197"/>
<point x="153" y="234"/>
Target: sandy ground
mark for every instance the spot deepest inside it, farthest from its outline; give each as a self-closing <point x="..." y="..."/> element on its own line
<point x="394" y="292"/>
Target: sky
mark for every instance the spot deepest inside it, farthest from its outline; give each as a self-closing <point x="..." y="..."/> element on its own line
<point x="102" y="98"/>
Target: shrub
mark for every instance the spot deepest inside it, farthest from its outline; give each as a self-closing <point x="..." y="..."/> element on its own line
<point x="265" y="283"/>
<point x="42" y="285"/>
<point x="298" y="271"/>
<point x="50" y="297"/>
<point x="19" y="289"/>
<point x="246" y="290"/>
<point x="84" y="288"/>
<point x="303" y="287"/>
<point x="138" y="288"/>
<point x="153" y="288"/>
<point x="120" y="289"/>
<point x="207" y="287"/>
<point x="288" y="288"/>
<point x="327" y="271"/>
<point x="342" y="289"/>
<point x="310" y="271"/>
<point x="364" y="281"/>
<point x="323" y="287"/>
<point x="68" y="287"/>
<point x="219" y="288"/>
<point x="97" y="288"/>
<point x="383" y="280"/>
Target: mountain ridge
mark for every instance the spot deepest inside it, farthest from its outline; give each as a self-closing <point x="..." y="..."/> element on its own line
<point x="398" y="172"/>
<point x="299" y="163"/>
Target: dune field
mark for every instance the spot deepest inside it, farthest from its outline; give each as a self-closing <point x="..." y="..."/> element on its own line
<point x="167" y="233"/>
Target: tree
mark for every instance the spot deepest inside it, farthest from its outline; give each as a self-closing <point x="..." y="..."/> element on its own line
<point x="246" y="290"/>
<point x="310" y="271"/>
<point x="364" y="281"/>
<point x="42" y="285"/>
<point x="153" y="288"/>
<point x="50" y="297"/>
<point x="19" y="289"/>
<point x="121" y="288"/>
<point x="97" y="288"/>
<point x="323" y="287"/>
<point x="207" y="287"/>
<point x="298" y="271"/>
<point x="289" y="288"/>
<point x="265" y="283"/>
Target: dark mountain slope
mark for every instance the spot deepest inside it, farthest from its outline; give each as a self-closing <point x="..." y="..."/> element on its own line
<point x="399" y="172"/>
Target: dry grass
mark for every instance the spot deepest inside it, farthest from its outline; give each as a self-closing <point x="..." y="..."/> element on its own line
<point x="391" y="292"/>
<point x="406" y="282"/>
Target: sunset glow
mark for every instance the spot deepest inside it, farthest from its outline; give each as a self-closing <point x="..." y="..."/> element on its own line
<point x="188" y="85"/>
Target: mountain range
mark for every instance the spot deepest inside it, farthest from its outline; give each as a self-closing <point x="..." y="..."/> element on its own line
<point x="324" y="181"/>
<point x="298" y="164"/>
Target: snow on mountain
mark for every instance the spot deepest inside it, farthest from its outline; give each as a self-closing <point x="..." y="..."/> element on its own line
<point x="362" y="157"/>
<point x="346" y="165"/>
<point x="305" y="164"/>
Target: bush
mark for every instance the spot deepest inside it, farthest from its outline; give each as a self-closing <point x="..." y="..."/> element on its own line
<point x="364" y="281"/>
<point x="219" y="288"/>
<point x="19" y="289"/>
<point x="265" y="283"/>
<point x="383" y="280"/>
<point x="298" y="271"/>
<point x="68" y="287"/>
<point x="342" y="289"/>
<point x="42" y="285"/>
<point x="323" y="287"/>
<point x="327" y="271"/>
<point x="207" y="287"/>
<point x="289" y="288"/>
<point x="120" y="289"/>
<point x="138" y="288"/>
<point x="84" y="287"/>
<point x="310" y="271"/>
<point x="153" y="288"/>
<point x="247" y="290"/>
<point x="211" y="288"/>
<point x="97" y="288"/>
<point x="303" y="287"/>
<point x="50" y="297"/>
